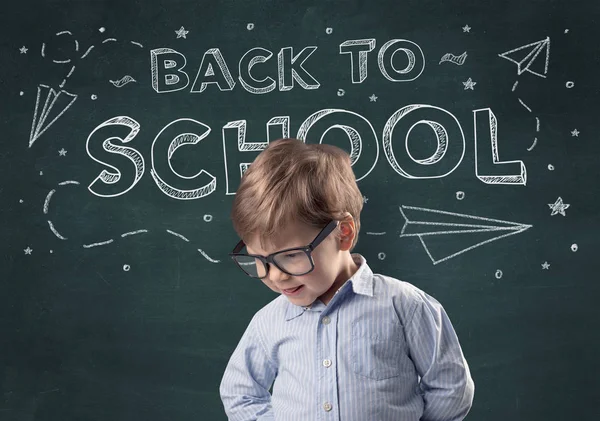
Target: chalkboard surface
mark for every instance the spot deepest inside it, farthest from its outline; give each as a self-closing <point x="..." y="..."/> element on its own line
<point x="126" y="127"/>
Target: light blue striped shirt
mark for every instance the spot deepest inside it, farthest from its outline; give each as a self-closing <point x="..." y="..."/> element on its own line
<point x="381" y="350"/>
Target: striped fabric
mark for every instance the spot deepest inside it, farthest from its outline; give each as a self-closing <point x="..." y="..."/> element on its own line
<point x="381" y="350"/>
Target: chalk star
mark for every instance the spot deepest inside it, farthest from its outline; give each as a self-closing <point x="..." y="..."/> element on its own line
<point x="466" y="28"/>
<point x="373" y="98"/>
<point x="28" y="250"/>
<point x="558" y="207"/>
<point x="575" y="133"/>
<point x="546" y="265"/>
<point x="181" y="33"/>
<point x="23" y="50"/>
<point x="365" y="199"/>
<point x="469" y="84"/>
<point x="62" y="152"/>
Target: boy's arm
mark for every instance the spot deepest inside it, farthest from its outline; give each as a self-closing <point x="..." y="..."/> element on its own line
<point x="249" y="375"/>
<point x="446" y="381"/>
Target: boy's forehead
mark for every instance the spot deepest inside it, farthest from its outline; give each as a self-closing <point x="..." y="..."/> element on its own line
<point x="293" y="235"/>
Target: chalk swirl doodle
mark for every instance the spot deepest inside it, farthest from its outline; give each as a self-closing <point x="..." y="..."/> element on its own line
<point x="123" y="81"/>
<point x="451" y="58"/>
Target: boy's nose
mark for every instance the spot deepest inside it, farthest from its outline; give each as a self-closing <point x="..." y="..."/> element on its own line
<point x="276" y="275"/>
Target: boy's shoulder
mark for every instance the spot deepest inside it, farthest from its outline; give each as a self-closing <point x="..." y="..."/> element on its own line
<point x="404" y="295"/>
<point x="274" y="310"/>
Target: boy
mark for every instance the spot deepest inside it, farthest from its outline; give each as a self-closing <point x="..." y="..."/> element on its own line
<point x="340" y="343"/>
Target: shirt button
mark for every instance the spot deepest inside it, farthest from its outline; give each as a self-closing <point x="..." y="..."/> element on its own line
<point x="327" y="406"/>
<point x="326" y="320"/>
<point x="327" y="363"/>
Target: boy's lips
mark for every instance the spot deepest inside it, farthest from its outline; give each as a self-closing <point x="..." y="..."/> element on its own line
<point x="290" y="291"/>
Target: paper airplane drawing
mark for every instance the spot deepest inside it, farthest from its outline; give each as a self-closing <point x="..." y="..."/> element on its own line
<point x="526" y="57"/>
<point x="447" y="231"/>
<point x="55" y="104"/>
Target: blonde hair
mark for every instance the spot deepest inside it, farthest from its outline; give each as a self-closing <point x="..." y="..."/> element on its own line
<point x="294" y="181"/>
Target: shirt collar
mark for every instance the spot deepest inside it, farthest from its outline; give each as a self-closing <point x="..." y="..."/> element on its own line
<point x="361" y="282"/>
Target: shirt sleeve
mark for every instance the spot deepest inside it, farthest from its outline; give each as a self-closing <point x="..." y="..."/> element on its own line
<point x="247" y="379"/>
<point x="446" y="382"/>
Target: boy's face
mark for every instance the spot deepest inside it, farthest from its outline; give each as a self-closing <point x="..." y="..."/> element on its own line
<point x="331" y="260"/>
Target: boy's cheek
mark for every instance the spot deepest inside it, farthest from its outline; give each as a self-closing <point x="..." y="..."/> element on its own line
<point x="269" y="285"/>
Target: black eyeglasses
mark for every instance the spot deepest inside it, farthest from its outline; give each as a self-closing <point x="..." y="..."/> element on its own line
<point x="295" y="261"/>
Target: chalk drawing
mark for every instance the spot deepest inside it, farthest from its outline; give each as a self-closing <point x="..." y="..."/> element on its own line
<point x="526" y="64"/>
<point x="451" y="58"/>
<point x="178" y="235"/>
<point x="469" y="84"/>
<point x="55" y="104"/>
<point x="427" y="223"/>
<point x="123" y="81"/>
<point x="558" y="207"/>
<point x="182" y="33"/>
<point x="207" y="257"/>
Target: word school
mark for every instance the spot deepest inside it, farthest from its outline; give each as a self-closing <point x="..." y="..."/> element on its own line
<point x="109" y="145"/>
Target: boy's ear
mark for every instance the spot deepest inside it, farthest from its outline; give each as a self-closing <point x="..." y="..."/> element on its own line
<point x="347" y="232"/>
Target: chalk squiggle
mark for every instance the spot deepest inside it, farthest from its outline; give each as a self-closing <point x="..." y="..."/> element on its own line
<point x="123" y="81"/>
<point x="46" y="207"/>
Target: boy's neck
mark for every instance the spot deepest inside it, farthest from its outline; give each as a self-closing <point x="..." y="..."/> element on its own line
<point x="347" y="269"/>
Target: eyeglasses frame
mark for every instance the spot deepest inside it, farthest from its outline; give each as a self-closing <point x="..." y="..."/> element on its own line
<point x="269" y="260"/>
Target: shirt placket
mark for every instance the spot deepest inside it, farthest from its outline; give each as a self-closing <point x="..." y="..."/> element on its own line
<point x="327" y="399"/>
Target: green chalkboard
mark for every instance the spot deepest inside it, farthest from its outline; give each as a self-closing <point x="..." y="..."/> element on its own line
<point x="126" y="127"/>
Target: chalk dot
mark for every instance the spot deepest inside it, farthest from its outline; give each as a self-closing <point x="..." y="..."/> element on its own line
<point x="208" y="218"/>
<point x="20" y="200"/>
<point x="498" y="274"/>
<point x="460" y="195"/>
<point x="102" y="29"/>
<point x="21" y="93"/>
<point x="574" y="247"/>
<point x="94" y="97"/>
<point x="250" y="26"/>
<point x="51" y="251"/>
<point x="381" y="256"/>
<point x="566" y="31"/>
<point x="341" y="92"/>
<point x="41" y="172"/>
<point x="329" y="31"/>
<point x="126" y="268"/>
<point x="570" y="84"/>
<point x="551" y="167"/>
